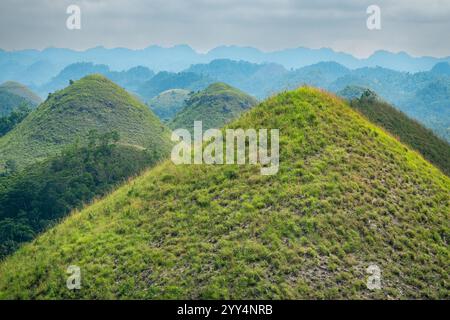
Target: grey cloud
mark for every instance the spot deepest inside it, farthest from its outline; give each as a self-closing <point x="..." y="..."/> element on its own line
<point x="415" y="26"/>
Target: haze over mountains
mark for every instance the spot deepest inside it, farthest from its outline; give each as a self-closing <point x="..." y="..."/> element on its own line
<point x="424" y="95"/>
<point x="37" y="67"/>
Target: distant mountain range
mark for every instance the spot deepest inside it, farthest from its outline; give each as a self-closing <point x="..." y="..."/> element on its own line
<point x="37" y="67"/>
<point x="424" y="96"/>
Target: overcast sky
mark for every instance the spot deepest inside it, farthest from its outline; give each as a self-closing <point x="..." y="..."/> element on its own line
<point x="419" y="27"/>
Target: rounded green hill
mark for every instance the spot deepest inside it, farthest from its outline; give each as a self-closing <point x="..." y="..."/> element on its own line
<point x="14" y="95"/>
<point x="68" y="115"/>
<point x="215" y="106"/>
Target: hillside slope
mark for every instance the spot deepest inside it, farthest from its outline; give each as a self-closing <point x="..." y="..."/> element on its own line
<point x="407" y="130"/>
<point x="215" y="106"/>
<point x="167" y="104"/>
<point x="347" y="196"/>
<point x="92" y="103"/>
<point x="13" y="95"/>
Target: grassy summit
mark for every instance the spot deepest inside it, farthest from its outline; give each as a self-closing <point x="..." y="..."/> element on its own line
<point x="217" y="105"/>
<point x="13" y="95"/>
<point x="407" y="130"/>
<point x="92" y="103"/>
<point x="347" y="195"/>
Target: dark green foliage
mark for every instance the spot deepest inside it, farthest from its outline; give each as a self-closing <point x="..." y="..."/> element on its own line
<point x="407" y="130"/>
<point x="7" y="123"/>
<point x="215" y="106"/>
<point x="39" y="196"/>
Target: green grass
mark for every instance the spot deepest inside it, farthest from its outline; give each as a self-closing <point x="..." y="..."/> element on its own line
<point x="215" y="106"/>
<point x="405" y="129"/>
<point x="69" y="114"/>
<point x="347" y="195"/>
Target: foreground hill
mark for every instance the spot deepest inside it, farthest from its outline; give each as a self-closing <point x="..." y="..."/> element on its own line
<point x="347" y="196"/>
<point x="166" y="104"/>
<point x="14" y="95"/>
<point x="407" y="130"/>
<point x="92" y="103"/>
<point x="215" y="106"/>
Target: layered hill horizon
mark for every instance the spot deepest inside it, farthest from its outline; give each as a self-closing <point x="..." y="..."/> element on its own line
<point x="347" y="195"/>
<point x="423" y="96"/>
<point x="178" y="57"/>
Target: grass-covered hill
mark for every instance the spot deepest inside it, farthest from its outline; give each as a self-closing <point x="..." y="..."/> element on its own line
<point x="215" y="106"/>
<point x="13" y="95"/>
<point x="407" y="130"/>
<point x="92" y="103"/>
<point x="166" y="104"/>
<point x="347" y="195"/>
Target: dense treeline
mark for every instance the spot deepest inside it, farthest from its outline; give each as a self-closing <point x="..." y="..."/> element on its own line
<point x="407" y="130"/>
<point x="37" y="197"/>
<point x="7" y="123"/>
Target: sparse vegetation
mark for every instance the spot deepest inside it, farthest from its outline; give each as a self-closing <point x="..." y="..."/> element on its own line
<point x="39" y="196"/>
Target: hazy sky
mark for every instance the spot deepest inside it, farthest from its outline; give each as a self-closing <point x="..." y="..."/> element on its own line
<point x="419" y="27"/>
